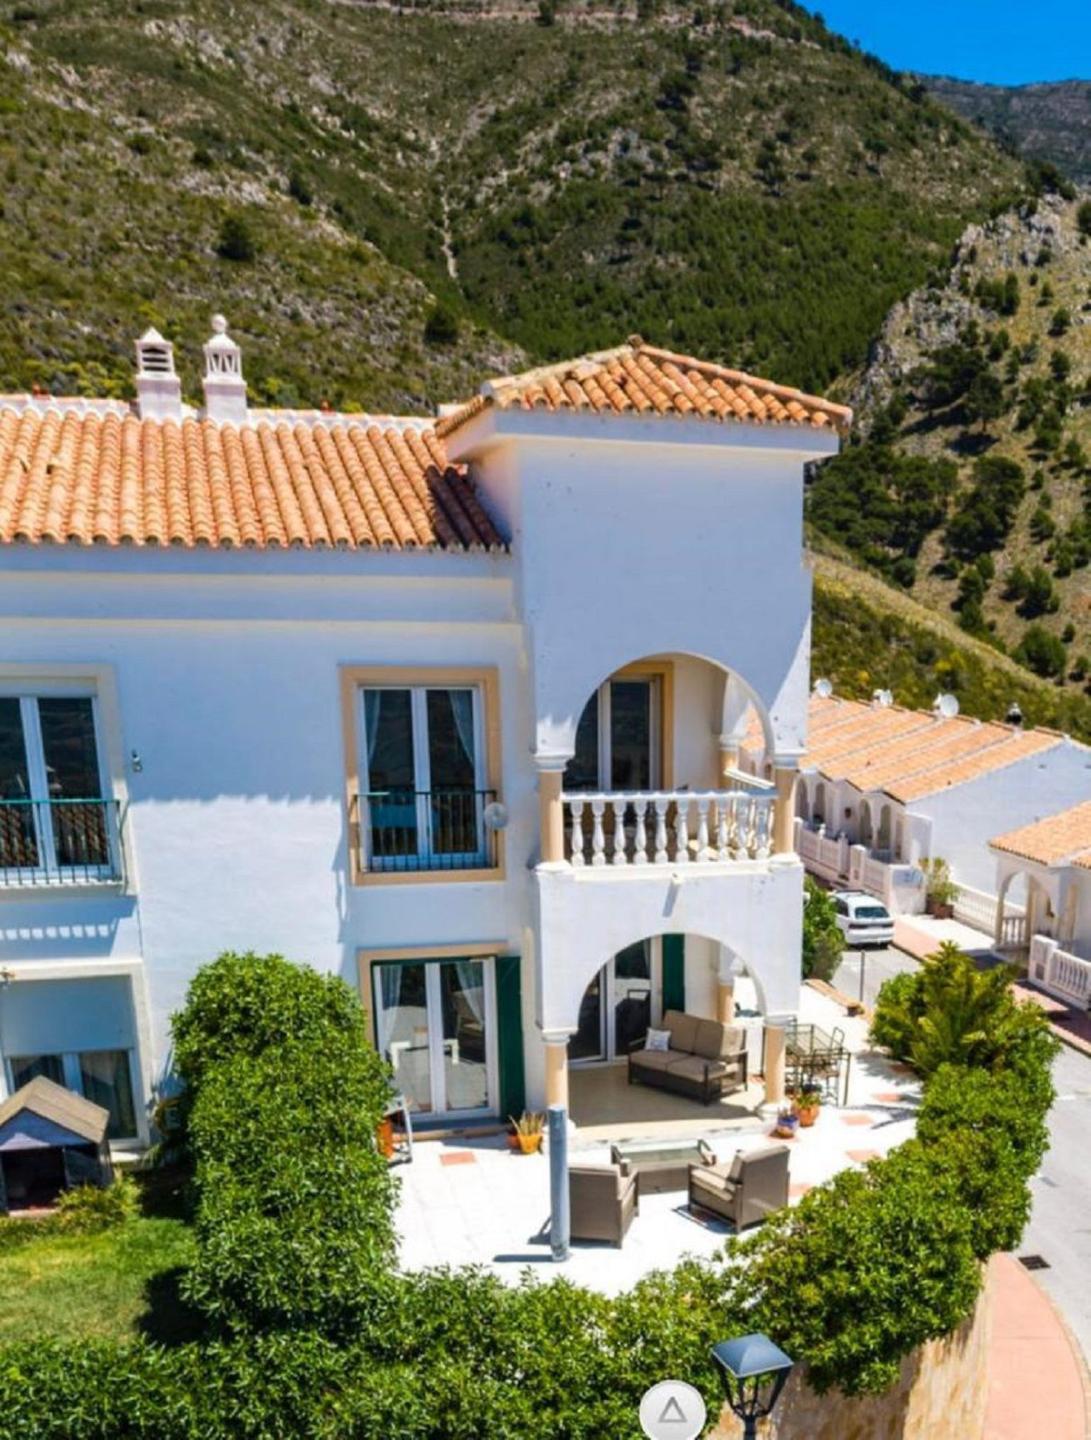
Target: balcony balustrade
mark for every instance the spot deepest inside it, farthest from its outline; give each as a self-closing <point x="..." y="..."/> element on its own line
<point x="412" y="830"/>
<point x="59" y="842"/>
<point x="674" y="827"/>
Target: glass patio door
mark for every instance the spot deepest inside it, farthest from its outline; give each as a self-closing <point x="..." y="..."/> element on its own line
<point x="436" y="1025"/>
<point x="623" y="999"/>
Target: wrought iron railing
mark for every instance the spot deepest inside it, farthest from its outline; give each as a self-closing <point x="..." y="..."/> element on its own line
<point x="406" y="830"/>
<point x="59" y="842"/>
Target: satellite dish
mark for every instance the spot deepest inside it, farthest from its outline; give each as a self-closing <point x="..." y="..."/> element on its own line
<point x="496" y="815"/>
<point x="947" y="705"/>
<point x="823" y="688"/>
<point x="883" y="698"/>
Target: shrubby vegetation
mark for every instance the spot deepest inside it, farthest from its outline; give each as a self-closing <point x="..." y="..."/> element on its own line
<point x="823" y="940"/>
<point x="863" y="1270"/>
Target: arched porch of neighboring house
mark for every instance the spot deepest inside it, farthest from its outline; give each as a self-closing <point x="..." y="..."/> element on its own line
<point x="883" y="845"/>
<point x="864" y="833"/>
<point x="819" y="810"/>
<point x="1029" y="903"/>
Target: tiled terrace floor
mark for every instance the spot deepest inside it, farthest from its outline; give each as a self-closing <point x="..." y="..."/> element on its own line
<point x="474" y="1201"/>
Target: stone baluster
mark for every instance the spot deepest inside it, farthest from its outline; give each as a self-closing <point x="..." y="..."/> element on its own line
<point x="763" y="829"/>
<point x="681" y="829"/>
<point x="723" y="831"/>
<point x="703" y="802"/>
<point x="575" y="808"/>
<point x="736" y="828"/>
<point x="619" y="856"/>
<point x="640" y="836"/>
<point x="598" y="835"/>
<point x="662" y="804"/>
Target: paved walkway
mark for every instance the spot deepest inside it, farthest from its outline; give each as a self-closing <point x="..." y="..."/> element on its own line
<point x="1037" y="1379"/>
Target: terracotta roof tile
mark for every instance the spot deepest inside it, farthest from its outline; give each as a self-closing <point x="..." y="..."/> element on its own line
<point x="1057" y="838"/>
<point x="906" y="754"/>
<point x="83" y="473"/>
<point x="643" y="378"/>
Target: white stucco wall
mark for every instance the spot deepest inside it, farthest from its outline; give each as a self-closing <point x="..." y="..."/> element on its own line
<point x="611" y="518"/>
<point x="966" y="817"/>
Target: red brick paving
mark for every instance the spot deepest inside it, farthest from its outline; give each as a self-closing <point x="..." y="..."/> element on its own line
<point x="1036" y="1377"/>
<point x="857" y="1120"/>
<point x="888" y="1097"/>
<point x="458" y="1157"/>
<point x="861" y="1157"/>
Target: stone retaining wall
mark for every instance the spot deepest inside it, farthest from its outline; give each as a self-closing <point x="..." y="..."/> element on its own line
<point x="940" y="1394"/>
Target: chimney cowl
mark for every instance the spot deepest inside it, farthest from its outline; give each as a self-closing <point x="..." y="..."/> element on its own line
<point x="158" y="388"/>
<point x="224" y="386"/>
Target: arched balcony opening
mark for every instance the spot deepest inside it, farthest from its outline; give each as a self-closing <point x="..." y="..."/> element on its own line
<point x="653" y="776"/>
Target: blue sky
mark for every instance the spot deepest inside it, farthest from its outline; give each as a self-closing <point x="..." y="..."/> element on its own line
<point x="1006" y="41"/>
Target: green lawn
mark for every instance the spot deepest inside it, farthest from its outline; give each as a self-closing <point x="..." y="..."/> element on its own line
<point x="115" y="1283"/>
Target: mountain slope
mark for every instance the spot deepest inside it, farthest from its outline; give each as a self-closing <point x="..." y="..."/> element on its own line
<point x="869" y="636"/>
<point x="738" y="183"/>
<point x="969" y="480"/>
<point x="1050" y="122"/>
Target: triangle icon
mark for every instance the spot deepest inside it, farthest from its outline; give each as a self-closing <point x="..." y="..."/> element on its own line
<point x="672" y="1413"/>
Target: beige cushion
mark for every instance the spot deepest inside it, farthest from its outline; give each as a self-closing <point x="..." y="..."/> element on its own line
<point x="683" y="1030"/>
<point x="709" y="1039"/>
<point x="652" y="1059"/>
<point x="693" y="1067"/>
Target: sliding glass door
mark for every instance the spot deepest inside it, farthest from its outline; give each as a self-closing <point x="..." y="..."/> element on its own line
<point x="436" y="1025"/>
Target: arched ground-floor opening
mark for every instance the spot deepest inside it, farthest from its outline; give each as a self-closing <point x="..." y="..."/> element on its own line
<point x="620" y="957"/>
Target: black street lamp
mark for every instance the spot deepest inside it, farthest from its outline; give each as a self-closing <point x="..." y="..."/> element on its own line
<point x="753" y="1371"/>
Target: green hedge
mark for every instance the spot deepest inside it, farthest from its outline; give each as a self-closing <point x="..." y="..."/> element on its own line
<point x="322" y="1338"/>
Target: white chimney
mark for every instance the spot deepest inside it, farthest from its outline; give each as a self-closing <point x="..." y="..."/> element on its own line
<point x="158" y="388"/>
<point x="225" y="389"/>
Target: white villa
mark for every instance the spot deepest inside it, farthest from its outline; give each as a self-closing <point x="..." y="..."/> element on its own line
<point x="1051" y="860"/>
<point x="882" y="788"/>
<point x="451" y="708"/>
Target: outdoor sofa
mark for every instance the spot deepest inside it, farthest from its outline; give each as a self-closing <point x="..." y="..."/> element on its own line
<point x="745" y="1190"/>
<point x="706" y="1058"/>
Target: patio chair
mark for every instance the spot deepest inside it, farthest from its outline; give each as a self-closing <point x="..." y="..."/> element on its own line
<point x="602" y="1202"/>
<point x="745" y="1190"/>
<point x="825" y="1066"/>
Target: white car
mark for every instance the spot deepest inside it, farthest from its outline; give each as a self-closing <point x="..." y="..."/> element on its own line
<point x="863" y="919"/>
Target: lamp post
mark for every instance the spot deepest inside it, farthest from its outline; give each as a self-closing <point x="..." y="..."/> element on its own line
<point x="753" y="1371"/>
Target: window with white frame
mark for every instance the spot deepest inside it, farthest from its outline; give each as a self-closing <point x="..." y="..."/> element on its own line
<point x="423" y="771"/>
<point x="102" y="1076"/>
<point x="57" y="823"/>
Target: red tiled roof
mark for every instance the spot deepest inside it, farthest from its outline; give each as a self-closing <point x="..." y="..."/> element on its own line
<point x="1057" y="838"/>
<point x="639" y="379"/>
<point x="907" y="754"/>
<point x="86" y="473"/>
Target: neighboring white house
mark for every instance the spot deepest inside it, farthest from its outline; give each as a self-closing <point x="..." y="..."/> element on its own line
<point x="1051" y="860"/>
<point x="447" y="708"/>
<point x="882" y="788"/>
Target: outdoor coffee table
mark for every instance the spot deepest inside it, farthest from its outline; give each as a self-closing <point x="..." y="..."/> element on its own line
<point x="661" y="1164"/>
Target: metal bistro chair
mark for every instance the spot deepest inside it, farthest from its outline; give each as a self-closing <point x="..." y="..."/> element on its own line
<point x="826" y="1066"/>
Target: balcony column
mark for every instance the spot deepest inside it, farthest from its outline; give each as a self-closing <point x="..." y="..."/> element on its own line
<point x="784" y="777"/>
<point x="551" y="812"/>
<point x="725" y="1002"/>
<point x="729" y="757"/>
<point x="556" y="1067"/>
<point x="774" y="1064"/>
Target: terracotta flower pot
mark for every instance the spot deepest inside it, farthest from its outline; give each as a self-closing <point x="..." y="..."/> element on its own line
<point x="807" y="1115"/>
<point x="384" y="1138"/>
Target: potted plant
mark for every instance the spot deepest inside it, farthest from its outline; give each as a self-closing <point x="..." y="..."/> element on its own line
<point x="806" y="1106"/>
<point x="787" y="1123"/>
<point x="529" y="1129"/>
<point x="940" y="891"/>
